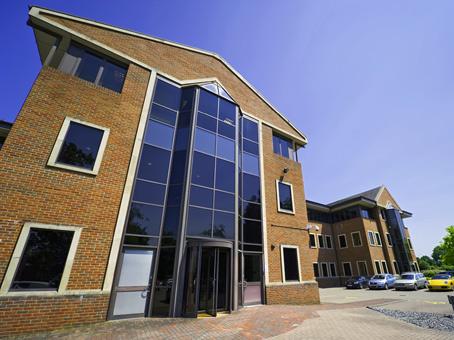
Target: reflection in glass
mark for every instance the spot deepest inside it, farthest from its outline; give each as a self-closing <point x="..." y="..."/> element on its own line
<point x="206" y="122"/>
<point x="227" y="112"/>
<point x="285" y="196"/>
<point x="224" y="225"/>
<point x="250" y="164"/>
<point x="252" y="232"/>
<point x="162" y="114"/>
<point x="251" y="188"/>
<point x="159" y="134"/>
<point x="226" y="148"/>
<point x="201" y="197"/>
<point x="225" y="175"/>
<point x="226" y="130"/>
<point x="208" y="103"/>
<point x="203" y="170"/>
<point x="250" y="130"/>
<point x="168" y="95"/>
<point x="205" y="141"/>
<point x="199" y="222"/>
<point x="224" y="201"/>
<point x="250" y="147"/>
<point x="252" y="210"/>
<point x="148" y="192"/>
<point x="154" y="164"/>
<point x="144" y="219"/>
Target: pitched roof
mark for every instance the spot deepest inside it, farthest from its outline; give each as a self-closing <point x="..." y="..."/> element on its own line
<point x="371" y="194"/>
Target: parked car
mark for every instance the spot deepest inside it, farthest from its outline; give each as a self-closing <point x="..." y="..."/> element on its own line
<point x="357" y="282"/>
<point x="383" y="281"/>
<point x="449" y="272"/>
<point x="411" y="281"/>
<point x="441" y="282"/>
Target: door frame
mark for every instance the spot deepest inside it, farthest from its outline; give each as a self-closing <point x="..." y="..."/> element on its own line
<point x="241" y="283"/>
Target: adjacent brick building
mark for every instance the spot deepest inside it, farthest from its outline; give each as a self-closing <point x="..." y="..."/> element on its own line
<point x="145" y="178"/>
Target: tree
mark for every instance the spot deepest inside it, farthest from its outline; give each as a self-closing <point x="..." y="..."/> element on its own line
<point x="437" y="253"/>
<point x="425" y="262"/>
<point x="447" y="245"/>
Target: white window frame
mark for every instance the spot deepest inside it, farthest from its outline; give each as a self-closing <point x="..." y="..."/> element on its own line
<point x="360" y="239"/>
<point x="335" y="269"/>
<point x="378" y="239"/>
<point x="351" y="269"/>
<point x="327" y="269"/>
<point x="318" y="241"/>
<point x="371" y="239"/>
<point x="330" y="241"/>
<point x="383" y="265"/>
<point x="283" y="246"/>
<point x="279" y="209"/>
<point x="379" y="266"/>
<point x="365" y="265"/>
<point x="346" y="242"/>
<point x="315" y="239"/>
<point x="59" y="142"/>
<point x="389" y="240"/>
<point x="396" y="267"/>
<point x="19" y="250"/>
<point x="410" y="244"/>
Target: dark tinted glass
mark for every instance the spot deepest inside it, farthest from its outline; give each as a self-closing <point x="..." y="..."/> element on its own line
<point x="276" y="145"/>
<point x="227" y="111"/>
<point x="162" y="114"/>
<point x="171" y="221"/>
<point x="225" y="175"/>
<point x="312" y="241"/>
<point x="252" y="247"/>
<point x="252" y="268"/>
<point x="342" y="241"/>
<point x="252" y="211"/>
<point x="285" y="196"/>
<point x="224" y="201"/>
<point x="252" y="232"/>
<point x="251" y="188"/>
<point x="205" y="141"/>
<point x="154" y="164"/>
<point x="250" y="130"/>
<point x="113" y="76"/>
<point x="250" y="147"/>
<point x="316" y="273"/>
<point x="149" y="192"/>
<point x="226" y="148"/>
<point x="161" y="300"/>
<point x="199" y="222"/>
<point x="141" y="241"/>
<point x="187" y="98"/>
<point x="144" y="219"/>
<point x="201" y="197"/>
<point x="203" y="170"/>
<point x="80" y="146"/>
<point x="291" y="264"/>
<point x="43" y="260"/>
<point x="208" y="103"/>
<point x="174" y="195"/>
<point x="178" y="167"/>
<point x="89" y="67"/>
<point x="206" y="122"/>
<point x="226" y="130"/>
<point x="224" y="225"/>
<point x="167" y="95"/>
<point x="159" y="134"/>
<point x="250" y="164"/>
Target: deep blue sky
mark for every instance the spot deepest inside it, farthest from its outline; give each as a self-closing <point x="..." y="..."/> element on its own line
<point x="371" y="83"/>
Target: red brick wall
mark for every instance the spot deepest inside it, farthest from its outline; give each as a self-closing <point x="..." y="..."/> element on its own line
<point x="294" y="294"/>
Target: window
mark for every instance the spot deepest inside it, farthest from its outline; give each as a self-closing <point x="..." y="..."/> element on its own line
<point x="377" y="267"/>
<point x="42" y="258"/>
<point x="94" y="68"/>
<point x="329" y="245"/>
<point x="378" y="239"/>
<point x="315" y="267"/>
<point x="290" y="263"/>
<point x="80" y="146"/>
<point x="342" y="241"/>
<point x="383" y="214"/>
<point x="324" y="269"/>
<point x="356" y="239"/>
<point x="284" y="197"/>
<point x="396" y="267"/>
<point x="409" y="244"/>
<point x="332" y="268"/>
<point x="370" y="235"/>
<point x="366" y="213"/>
<point x="283" y="146"/>
<point x="362" y="268"/>
<point x="312" y="241"/>
<point x="384" y="266"/>
<point x="347" y="268"/>
<point x="321" y="242"/>
<point x="389" y="239"/>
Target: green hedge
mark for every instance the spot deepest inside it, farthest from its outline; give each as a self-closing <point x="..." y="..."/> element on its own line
<point x="431" y="272"/>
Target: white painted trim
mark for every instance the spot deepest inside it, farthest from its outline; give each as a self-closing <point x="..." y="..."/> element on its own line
<point x="365" y="265"/>
<point x="369" y="240"/>
<point x="315" y="239"/>
<point x="19" y="249"/>
<point x="283" y="264"/>
<point x="343" y="269"/>
<point x="59" y="142"/>
<point x="346" y="241"/>
<point x="360" y="239"/>
<point x="377" y="238"/>
<point x="331" y="241"/>
<point x="35" y="12"/>
<point x="279" y="209"/>
<point x="127" y="191"/>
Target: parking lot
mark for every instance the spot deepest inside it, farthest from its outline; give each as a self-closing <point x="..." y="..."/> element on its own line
<point x="415" y="301"/>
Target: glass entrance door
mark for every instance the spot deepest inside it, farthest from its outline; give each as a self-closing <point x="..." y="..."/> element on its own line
<point x="252" y="279"/>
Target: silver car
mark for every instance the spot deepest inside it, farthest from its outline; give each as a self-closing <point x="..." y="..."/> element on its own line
<point x="411" y="281"/>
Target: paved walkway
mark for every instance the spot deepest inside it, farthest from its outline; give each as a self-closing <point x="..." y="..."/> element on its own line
<point x="327" y="321"/>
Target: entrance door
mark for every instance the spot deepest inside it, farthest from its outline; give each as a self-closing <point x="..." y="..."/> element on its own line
<point x="252" y="279"/>
<point x="132" y="292"/>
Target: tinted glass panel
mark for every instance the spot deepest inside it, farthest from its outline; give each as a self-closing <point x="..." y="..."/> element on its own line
<point x="252" y="247"/>
<point x="167" y="95"/>
<point x="141" y="241"/>
<point x="174" y="195"/>
<point x="251" y="188"/>
<point x="226" y="130"/>
<point x="250" y="147"/>
<point x="80" y="146"/>
<point x="89" y="67"/>
<point x="250" y="130"/>
<point x="227" y="111"/>
<point x="113" y="76"/>
<point x="43" y="260"/>
<point x="154" y="164"/>
<point x="276" y="145"/>
<point x="206" y="122"/>
<point x="199" y="222"/>
<point x="225" y="175"/>
<point x="144" y="219"/>
<point x="164" y="115"/>
<point x="201" y="196"/>
<point x="205" y="141"/>
<point x="208" y="103"/>
<point x="161" y="298"/>
<point x="224" y="201"/>
<point x="159" y="134"/>
<point x="291" y="264"/>
<point x="250" y="164"/>
<point x="178" y="167"/>
<point x="203" y="170"/>
<point x="226" y="148"/>
<point x="252" y="211"/>
<point x="285" y="196"/>
<point x="171" y="222"/>
<point x="149" y="192"/>
<point x="252" y="232"/>
<point x="224" y="225"/>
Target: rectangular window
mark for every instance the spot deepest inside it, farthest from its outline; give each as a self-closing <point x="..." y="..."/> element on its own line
<point x="285" y="197"/>
<point x="315" y="267"/>
<point x="80" y="146"/>
<point x="396" y="267"/>
<point x="378" y="239"/>
<point x="362" y="268"/>
<point x="370" y="235"/>
<point x="347" y="268"/>
<point x="321" y="243"/>
<point x="312" y="241"/>
<point x="409" y="244"/>
<point x="283" y="146"/>
<point x="384" y="266"/>
<point x="342" y="241"/>
<point x="332" y="268"/>
<point x="325" y="269"/>
<point x="377" y="267"/>
<point x="329" y="245"/>
<point x="94" y="68"/>
<point x="389" y="239"/>
<point x="356" y="239"/>
<point x="290" y="263"/>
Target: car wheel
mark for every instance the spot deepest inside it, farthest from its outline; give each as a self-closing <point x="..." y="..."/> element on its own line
<point x="416" y="287"/>
<point x="386" y="286"/>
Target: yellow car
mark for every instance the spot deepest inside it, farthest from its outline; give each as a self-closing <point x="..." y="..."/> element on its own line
<point x="441" y="282"/>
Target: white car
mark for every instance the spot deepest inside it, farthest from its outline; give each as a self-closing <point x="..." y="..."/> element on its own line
<point x="412" y="281"/>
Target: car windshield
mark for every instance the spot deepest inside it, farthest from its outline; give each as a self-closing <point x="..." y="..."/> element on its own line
<point x="379" y="277"/>
<point x="441" y="277"/>
<point x="407" y="277"/>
